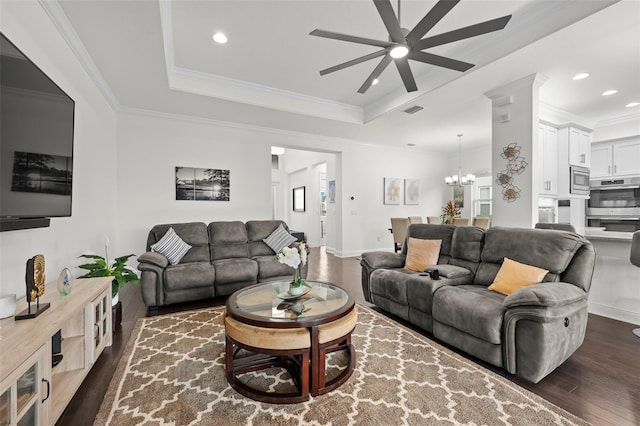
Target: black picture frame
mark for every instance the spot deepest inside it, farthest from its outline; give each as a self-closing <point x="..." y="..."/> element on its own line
<point x="299" y="196"/>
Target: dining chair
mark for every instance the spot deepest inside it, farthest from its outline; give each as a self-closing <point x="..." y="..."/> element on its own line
<point x="415" y="219"/>
<point x="460" y="221"/>
<point x="437" y="220"/>
<point x="481" y="222"/>
<point x="399" y="227"/>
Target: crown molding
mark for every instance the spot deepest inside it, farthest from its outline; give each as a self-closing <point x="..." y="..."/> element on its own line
<point x="558" y="116"/>
<point x="240" y="126"/>
<point x="215" y="86"/>
<point x="60" y="20"/>
<point x="620" y="119"/>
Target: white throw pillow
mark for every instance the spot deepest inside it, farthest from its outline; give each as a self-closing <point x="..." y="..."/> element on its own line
<point x="171" y="246"/>
<point x="279" y="239"/>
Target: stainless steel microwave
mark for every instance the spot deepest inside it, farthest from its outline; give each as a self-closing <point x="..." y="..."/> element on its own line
<point x="579" y="180"/>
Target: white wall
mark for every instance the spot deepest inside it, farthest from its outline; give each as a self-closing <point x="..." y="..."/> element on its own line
<point x="94" y="181"/>
<point x="149" y="149"/>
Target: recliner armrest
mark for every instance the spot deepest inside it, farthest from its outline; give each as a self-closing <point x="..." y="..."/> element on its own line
<point x="153" y="258"/>
<point x="383" y="259"/>
<point x="547" y="294"/>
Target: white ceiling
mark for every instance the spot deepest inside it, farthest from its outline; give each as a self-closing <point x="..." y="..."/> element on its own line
<point x="159" y="56"/>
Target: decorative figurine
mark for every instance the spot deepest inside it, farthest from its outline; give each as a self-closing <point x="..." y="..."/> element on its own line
<point x="34" y="281"/>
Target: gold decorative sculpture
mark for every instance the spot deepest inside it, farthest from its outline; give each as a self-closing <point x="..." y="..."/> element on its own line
<point x="34" y="281"/>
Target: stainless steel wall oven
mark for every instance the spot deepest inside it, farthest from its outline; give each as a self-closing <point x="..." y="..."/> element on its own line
<point x="614" y="204"/>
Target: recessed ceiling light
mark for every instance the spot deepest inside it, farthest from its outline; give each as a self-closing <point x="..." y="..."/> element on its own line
<point x="220" y="38"/>
<point x="609" y="92"/>
<point x="581" y="76"/>
<point x="375" y="81"/>
<point x="632" y="104"/>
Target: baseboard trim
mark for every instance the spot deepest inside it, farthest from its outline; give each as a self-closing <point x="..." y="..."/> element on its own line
<point x="614" y="313"/>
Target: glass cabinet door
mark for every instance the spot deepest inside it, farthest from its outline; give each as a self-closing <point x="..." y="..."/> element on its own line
<point x="5" y="408"/>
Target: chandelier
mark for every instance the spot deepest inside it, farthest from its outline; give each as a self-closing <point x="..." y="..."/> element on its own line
<point x="459" y="179"/>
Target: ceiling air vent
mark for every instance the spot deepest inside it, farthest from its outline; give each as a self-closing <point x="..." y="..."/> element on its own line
<point x="413" y="109"/>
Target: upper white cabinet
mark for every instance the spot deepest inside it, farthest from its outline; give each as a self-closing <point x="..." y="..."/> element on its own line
<point x="548" y="157"/>
<point x="619" y="158"/>
<point x="579" y="147"/>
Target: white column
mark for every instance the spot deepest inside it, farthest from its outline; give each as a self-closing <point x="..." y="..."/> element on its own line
<point x="515" y="123"/>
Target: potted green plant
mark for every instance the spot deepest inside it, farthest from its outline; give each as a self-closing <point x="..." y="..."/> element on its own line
<point x="121" y="274"/>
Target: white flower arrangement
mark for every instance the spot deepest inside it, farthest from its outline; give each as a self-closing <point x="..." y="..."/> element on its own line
<point x="294" y="257"/>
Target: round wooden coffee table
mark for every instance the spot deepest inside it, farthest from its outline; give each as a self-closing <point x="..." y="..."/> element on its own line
<point x="259" y="318"/>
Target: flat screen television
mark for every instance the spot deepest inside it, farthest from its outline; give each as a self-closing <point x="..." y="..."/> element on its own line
<point x="36" y="143"/>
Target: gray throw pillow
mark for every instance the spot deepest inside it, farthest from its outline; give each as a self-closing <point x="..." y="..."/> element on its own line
<point x="171" y="246"/>
<point x="279" y="239"/>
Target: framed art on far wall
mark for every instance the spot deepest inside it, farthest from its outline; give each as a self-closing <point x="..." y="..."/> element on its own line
<point x="412" y="191"/>
<point x="298" y="199"/>
<point x="392" y="190"/>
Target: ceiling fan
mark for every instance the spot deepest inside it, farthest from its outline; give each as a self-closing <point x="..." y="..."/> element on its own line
<point x="405" y="44"/>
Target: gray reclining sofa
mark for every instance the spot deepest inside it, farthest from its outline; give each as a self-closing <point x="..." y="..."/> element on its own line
<point x="224" y="257"/>
<point x="529" y="332"/>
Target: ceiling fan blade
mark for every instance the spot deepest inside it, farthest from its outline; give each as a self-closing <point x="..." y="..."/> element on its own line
<point x="407" y="76"/>
<point x="375" y="74"/>
<point x="441" y="61"/>
<point x="431" y="19"/>
<point x="353" y="62"/>
<point x="350" y="38"/>
<point x="390" y="20"/>
<point x="462" y="33"/>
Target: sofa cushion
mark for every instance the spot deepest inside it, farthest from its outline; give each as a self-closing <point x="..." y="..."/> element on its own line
<point x="467" y="243"/>
<point x="279" y="239"/>
<point x="228" y="240"/>
<point x="269" y="267"/>
<point x="422" y="253"/>
<point x="193" y="233"/>
<point x="514" y="275"/>
<point x="472" y="309"/>
<point x="257" y="231"/>
<point x="432" y="232"/>
<point x="547" y="249"/>
<point x="236" y="270"/>
<point x="191" y="275"/>
<point x="171" y="246"/>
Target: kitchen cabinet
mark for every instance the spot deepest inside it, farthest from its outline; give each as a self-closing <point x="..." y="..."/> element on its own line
<point x="548" y="159"/>
<point x="618" y="158"/>
<point x="24" y="394"/>
<point x="579" y="147"/>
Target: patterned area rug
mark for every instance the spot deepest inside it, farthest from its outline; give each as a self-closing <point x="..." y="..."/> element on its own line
<point x="172" y="372"/>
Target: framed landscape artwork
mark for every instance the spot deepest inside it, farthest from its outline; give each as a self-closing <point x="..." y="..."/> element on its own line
<point x="202" y="184"/>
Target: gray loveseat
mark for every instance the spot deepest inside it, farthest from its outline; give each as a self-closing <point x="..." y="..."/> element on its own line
<point x="529" y="332"/>
<point x="224" y="257"/>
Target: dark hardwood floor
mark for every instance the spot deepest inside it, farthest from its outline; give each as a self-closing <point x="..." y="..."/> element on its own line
<point x="599" y="383"/>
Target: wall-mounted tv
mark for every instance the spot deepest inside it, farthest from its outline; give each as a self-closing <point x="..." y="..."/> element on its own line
<point x="36" y="143"/>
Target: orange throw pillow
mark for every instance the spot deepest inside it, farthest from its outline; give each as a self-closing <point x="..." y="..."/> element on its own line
<point x="422" y="253"/>
<point x="514" y="275"/>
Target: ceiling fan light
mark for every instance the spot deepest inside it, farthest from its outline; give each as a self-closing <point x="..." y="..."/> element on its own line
<point x="399" y="51"/>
